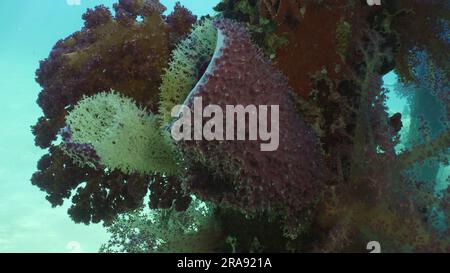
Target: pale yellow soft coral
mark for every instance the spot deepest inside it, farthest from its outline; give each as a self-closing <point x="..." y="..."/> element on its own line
<point x="125" y="137"/>
<point x="182" y="73"/>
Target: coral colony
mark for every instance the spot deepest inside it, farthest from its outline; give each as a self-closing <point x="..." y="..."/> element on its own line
<point x="261" y="129"/>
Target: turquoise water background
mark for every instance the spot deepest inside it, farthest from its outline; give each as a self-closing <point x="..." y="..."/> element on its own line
<point x="28" y="30"/>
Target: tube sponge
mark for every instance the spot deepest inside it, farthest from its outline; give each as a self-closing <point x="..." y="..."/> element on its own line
<point x="188" y="61"/>
<point x="124" y="136"/>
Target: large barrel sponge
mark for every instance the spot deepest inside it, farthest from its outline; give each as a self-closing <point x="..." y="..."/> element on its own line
<point x="238" y="173"/>
<point x="124" y="136"/>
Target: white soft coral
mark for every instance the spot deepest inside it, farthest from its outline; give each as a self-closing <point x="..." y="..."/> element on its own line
<point x="124" y="136"/>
